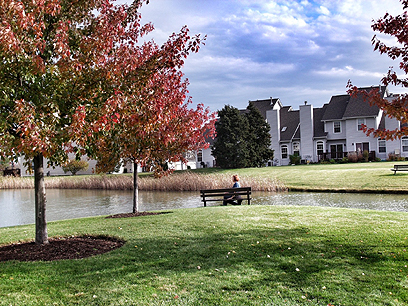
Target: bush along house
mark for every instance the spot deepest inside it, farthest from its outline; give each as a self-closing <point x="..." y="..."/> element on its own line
<point x="332" y="132"/>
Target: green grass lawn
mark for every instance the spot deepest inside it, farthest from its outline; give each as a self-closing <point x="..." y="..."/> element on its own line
<point x="247" y="255"/>
<point x="364" y="177"/>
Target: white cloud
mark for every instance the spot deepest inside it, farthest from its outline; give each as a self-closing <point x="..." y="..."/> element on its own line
<point x="323" y="10"/>
<point x="220" y="65"/>
<point x="295" y="50"/>
<point x="348" y="71"/>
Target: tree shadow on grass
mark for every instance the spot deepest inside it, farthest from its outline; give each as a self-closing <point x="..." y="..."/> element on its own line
<point x="234" y="261"/>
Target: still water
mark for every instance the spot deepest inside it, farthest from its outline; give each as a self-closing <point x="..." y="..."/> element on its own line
<point x="17" y="206"/>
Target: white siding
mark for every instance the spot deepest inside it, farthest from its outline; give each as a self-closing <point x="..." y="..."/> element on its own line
<point x="306" y="132"/>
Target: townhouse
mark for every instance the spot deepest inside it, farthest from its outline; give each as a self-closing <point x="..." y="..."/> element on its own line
<point x="331" y="131"/>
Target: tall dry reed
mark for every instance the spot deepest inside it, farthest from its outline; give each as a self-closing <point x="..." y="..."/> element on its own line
<point x="185" y="181"/>
<point x="10" y="182"/>
<point x="189" y="181"/>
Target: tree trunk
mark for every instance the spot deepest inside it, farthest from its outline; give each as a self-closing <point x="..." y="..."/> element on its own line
<point x="135" y="189"/>
<point x="41" y="235"/>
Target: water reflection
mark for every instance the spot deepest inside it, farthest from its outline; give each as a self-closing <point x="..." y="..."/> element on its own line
<point x="17" y="206"/>
<point x="391" y="202"/>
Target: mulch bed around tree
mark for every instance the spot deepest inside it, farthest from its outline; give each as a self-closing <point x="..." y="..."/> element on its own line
<point x="66" y="247"/>
<point x="137" y="214"/>
<point x="60" y="248"/>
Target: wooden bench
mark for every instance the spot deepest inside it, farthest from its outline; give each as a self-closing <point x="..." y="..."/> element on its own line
<point x="210" y="195"/>
<point x="399" y="168"/>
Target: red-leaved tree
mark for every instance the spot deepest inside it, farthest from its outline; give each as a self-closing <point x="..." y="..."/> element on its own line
<point x="63" y="59"/>
<point x="397" y="27"/>
<point x="150" y="125"/>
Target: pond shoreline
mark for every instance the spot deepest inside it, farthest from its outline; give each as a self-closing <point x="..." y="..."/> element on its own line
<point x="372" y="191"/>
<point x="17" y="206"/>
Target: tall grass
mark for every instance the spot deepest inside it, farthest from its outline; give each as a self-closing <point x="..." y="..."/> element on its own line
<point x="181" y="181"/>
<point x="10" y="182"/>
<point x="190" y="181"/>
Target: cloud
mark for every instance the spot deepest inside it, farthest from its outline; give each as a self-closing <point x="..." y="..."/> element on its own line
<point x="348" y="71"/>
<point x="295" y="50"/>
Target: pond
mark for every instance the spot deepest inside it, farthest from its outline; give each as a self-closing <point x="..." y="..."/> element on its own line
<point x="17" y="206"/>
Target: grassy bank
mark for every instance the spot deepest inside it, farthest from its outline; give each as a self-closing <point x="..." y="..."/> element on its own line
<point x="361" y="177"/>
<point x="249" y="255"/>
<point x="353" y="177"/>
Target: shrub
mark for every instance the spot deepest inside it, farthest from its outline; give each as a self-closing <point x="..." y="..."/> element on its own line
<point x="352" y="157"/>
<point x="344" y="160"/>
<point x="294" y="159"/>
<point x="366" y="155"/>
<point x="74" y="166"/>
<point x="324" y="162"/>
<point x="395" y="157"/>
<point x="360" y="156"/>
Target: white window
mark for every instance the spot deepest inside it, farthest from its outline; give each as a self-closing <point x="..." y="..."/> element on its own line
<point x="382" y="146"/>
<point x="404" y="144"/>
<point x="360" y="123"/>
<point x="319" y="147"/>
<point x="337" y="127"/>
<point x="284" y="151"/>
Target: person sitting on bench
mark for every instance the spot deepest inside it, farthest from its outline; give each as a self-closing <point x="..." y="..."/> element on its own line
<point x="229" y="199"/>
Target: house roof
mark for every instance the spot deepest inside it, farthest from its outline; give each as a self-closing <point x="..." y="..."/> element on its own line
<point x="318" y="124"/>
<point x="345" y="106"/>
<point x="264" y="105"/>
<point x="289" y="119"/>
<point x="359" y="107"/>
<point x="336" y="108"/>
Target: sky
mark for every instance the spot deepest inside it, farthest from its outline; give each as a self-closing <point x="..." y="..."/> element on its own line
<point x="292" y="50"/>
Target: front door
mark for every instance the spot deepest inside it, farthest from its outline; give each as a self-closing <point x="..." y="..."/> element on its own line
<point x="336" y="151"/>
<point x="363" y="146"/>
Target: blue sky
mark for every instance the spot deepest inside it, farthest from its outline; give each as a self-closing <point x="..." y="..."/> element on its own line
<point x="293" y="50"/>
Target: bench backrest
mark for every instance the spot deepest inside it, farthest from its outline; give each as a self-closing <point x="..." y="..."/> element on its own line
<point x="212" y="193"/>
<point x="222" y="192"/>
<point x="400" y="166"/>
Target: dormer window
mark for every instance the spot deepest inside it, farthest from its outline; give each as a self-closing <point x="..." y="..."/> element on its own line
<point x="284" y="129"/>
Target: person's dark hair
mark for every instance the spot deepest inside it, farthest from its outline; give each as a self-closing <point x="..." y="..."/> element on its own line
<point x="235" y="178"/>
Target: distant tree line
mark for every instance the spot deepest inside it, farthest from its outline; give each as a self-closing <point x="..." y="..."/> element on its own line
<point x="243" y="138"/>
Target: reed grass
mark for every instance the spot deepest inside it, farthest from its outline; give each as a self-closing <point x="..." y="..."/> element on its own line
<point x="180" y="181"/>
<point x="10" y="182"/>
<point x="190" y="181"/>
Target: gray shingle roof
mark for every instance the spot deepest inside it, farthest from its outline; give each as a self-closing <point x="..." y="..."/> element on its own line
<point x="346" y="106"/>
<point x="289" y="119"/>
<point x="336" y="108"/>
<point x="359" y="107"/>
<point x="318" y="124"/>
<point x="264" y="105"/>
